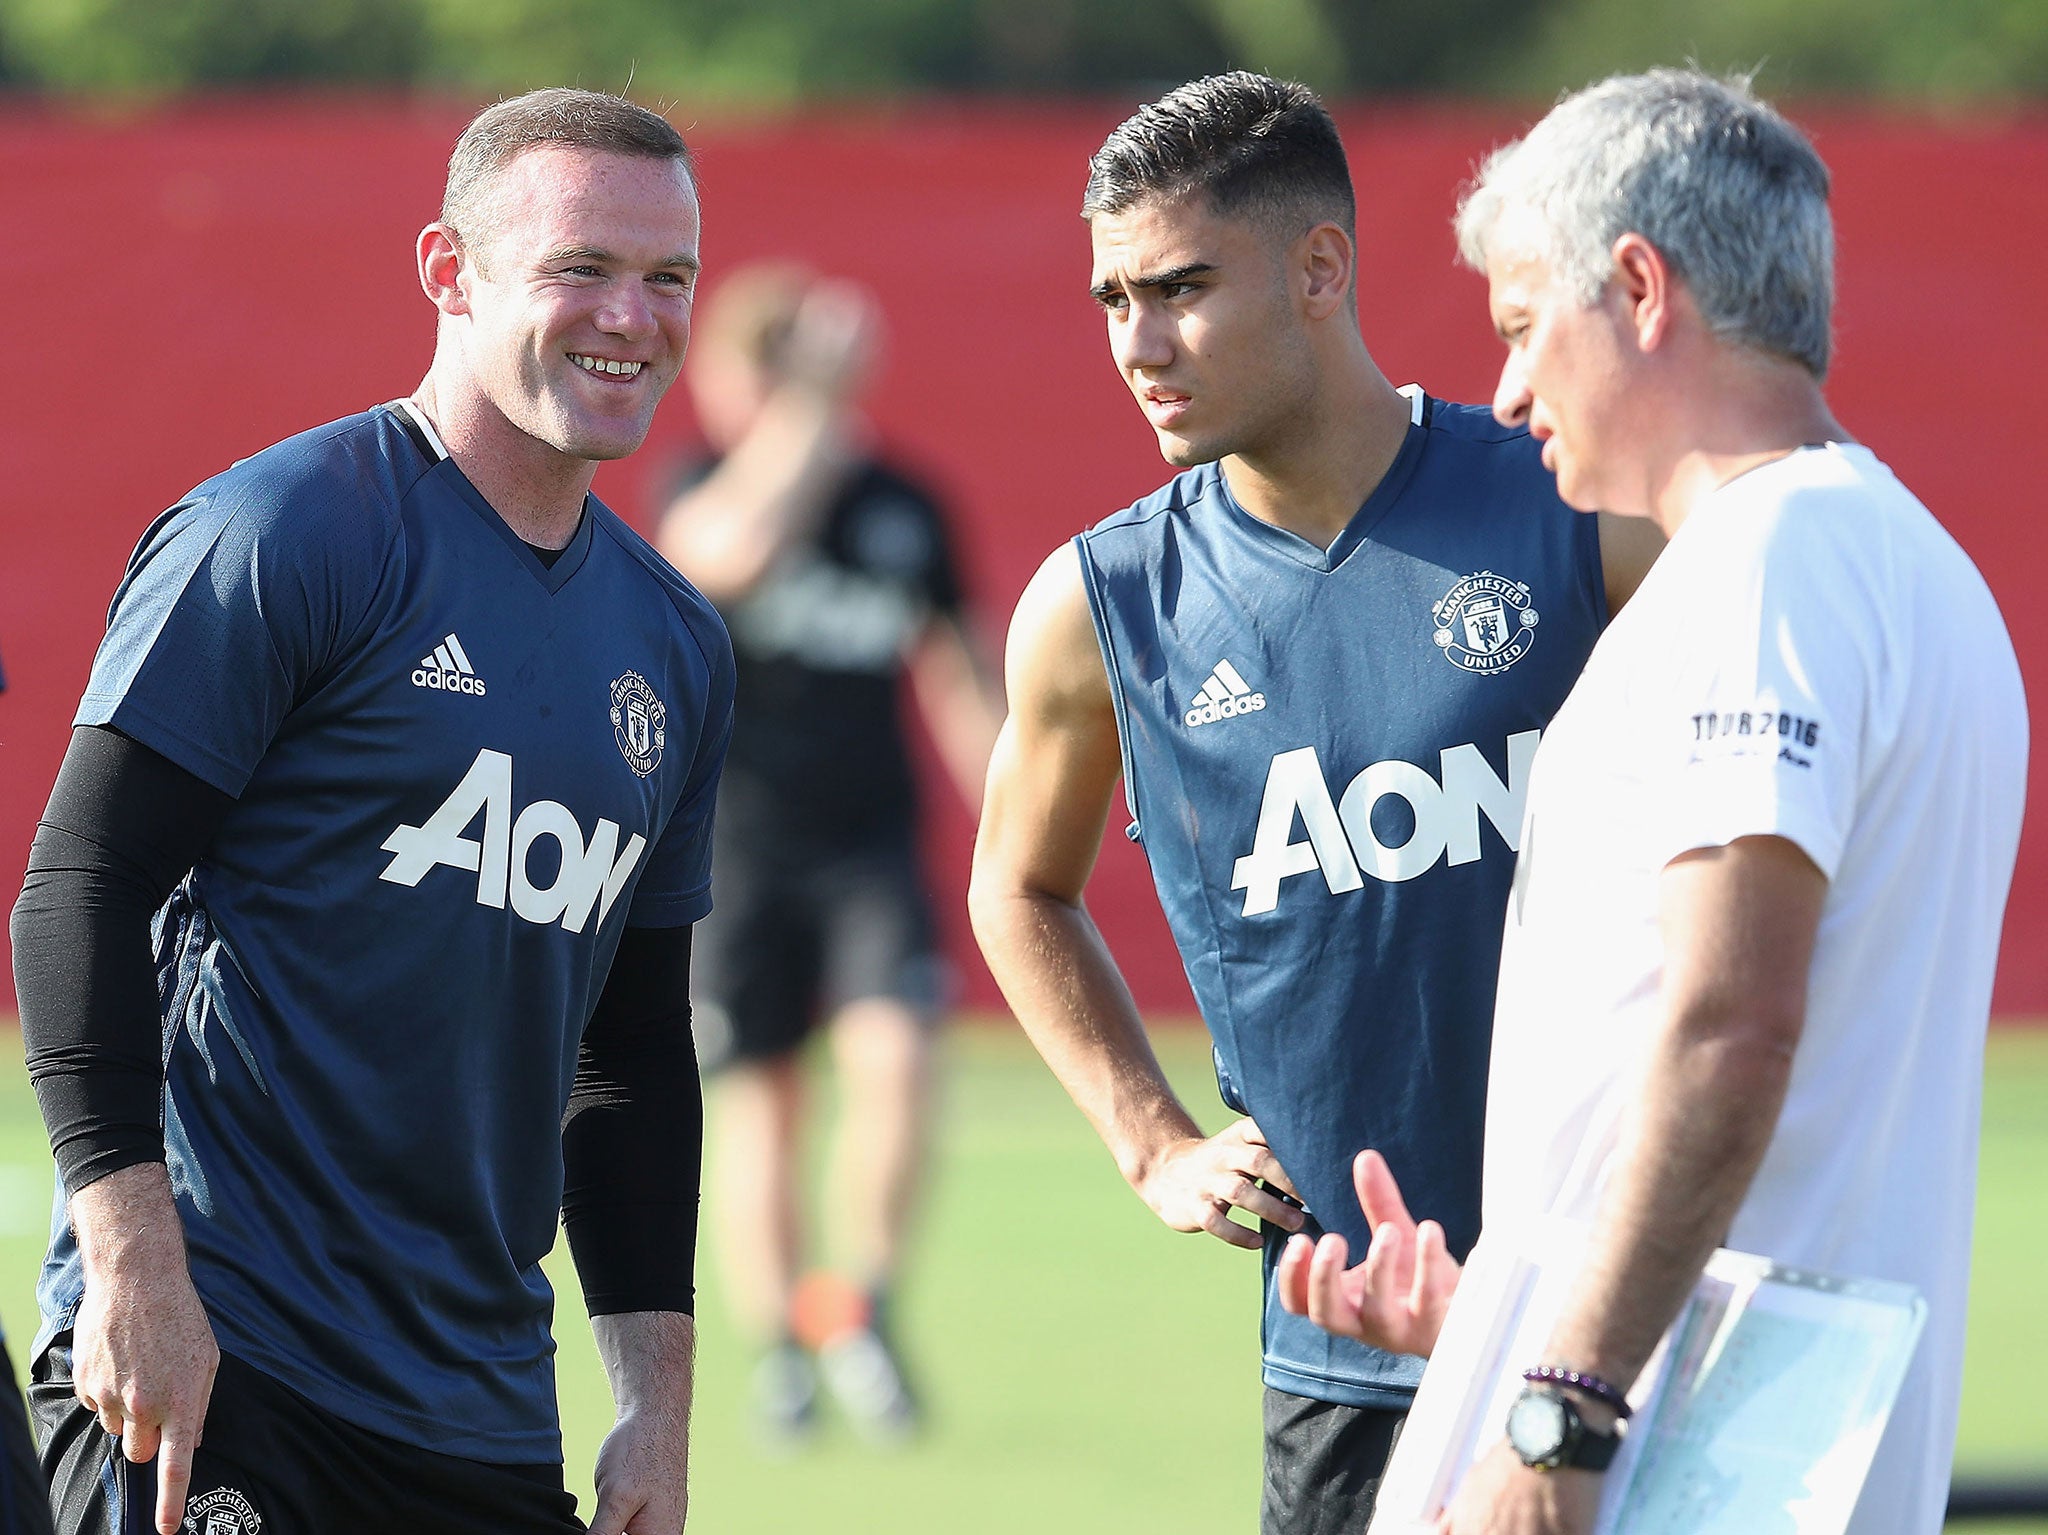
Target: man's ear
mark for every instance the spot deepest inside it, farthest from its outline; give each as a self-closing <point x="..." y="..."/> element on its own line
<point x="443" y="266"/>
<point x="1327" y="264"/>
<point x="1643" y="281"/>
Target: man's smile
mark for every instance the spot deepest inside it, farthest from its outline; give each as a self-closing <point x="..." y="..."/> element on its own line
<point x="606" y="365"/>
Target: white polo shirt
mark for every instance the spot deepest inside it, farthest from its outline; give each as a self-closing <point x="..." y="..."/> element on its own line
<point x="1812" y="658"/>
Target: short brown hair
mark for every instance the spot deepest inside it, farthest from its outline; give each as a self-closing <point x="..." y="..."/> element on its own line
<point x="558" y="115"/>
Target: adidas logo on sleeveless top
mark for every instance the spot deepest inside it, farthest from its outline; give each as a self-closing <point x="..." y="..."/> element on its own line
<point x="1224" y="696"/>
<point x="448" y="670"/>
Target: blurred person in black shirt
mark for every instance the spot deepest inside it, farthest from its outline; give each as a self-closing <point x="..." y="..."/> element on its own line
<point x="834" y="573"/>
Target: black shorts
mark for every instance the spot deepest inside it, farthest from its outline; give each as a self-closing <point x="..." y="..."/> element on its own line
<point x="270" y="1454"/>
<point x="1324" y="1462"/>
<point x="790" y="940"/>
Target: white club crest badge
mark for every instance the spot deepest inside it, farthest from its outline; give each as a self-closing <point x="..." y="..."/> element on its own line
<point x="640" y="721"/>
<point x="1484" y="623"/>
<point x="222" y="1511"/>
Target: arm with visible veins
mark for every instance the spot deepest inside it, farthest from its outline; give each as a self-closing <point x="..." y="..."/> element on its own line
<point x="632" y="1160"/>
<point x="1049" y="785"/>
<point x="1739" y="924"/>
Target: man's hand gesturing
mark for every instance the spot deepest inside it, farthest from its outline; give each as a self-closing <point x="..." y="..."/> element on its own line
<point x="1396" y="1298"/>
<point x="1194" y="1184"/>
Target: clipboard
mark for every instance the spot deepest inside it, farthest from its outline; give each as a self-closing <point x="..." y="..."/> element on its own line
<point x="1760" y="1410"/>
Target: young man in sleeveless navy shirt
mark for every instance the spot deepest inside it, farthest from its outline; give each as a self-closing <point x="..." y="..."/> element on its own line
<point x="1320" y="658"/>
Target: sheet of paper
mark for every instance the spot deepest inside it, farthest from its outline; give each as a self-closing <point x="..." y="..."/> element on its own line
<point x="1773" y="1428"/>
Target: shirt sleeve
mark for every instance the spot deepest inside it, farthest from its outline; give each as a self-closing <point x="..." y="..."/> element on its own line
<point x="123" y="827"/>
<point x="232" y="605"/>
<point x="677" y="885"/>
<point x="1770" y="705"/>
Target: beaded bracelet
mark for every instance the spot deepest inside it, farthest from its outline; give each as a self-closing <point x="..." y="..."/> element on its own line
<point x="1592" y="1385"/>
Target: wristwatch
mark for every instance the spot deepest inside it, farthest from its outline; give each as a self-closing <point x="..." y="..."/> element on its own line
<point x="1546" y="1430"/>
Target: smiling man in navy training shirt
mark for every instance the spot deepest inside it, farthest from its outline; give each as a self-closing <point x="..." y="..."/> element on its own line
<point x="413" y="745"/>
<point x="1321" y="659"/>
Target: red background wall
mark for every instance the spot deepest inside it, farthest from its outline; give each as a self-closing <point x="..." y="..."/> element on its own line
<point x="189" y="286"/>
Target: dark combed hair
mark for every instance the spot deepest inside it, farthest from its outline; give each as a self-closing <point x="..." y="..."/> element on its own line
<point x="1255" y="147"/>
<point x="558" y="115"/>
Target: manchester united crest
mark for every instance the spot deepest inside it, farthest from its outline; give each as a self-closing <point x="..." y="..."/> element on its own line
<point x="223" y="1511"/>
<point x="640" y="721"/>
<point x="1485" y="623"/>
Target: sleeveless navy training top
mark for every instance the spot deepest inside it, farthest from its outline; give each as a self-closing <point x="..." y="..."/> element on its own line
<point x="1325" y="754"/>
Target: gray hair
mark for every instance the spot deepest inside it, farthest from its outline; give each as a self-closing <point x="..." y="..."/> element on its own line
<point x="1730" y="193"/>
<point x="558" y="115"/>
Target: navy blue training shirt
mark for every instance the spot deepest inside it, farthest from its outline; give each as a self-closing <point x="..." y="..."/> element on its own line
<point x="459" y="773"/>
<point x="1325" y="755"/>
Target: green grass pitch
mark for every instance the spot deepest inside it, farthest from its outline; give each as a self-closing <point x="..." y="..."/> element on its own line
<point x="1088" y="1370"/>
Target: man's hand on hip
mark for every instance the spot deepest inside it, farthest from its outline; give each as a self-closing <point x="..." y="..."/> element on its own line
<point x="1194" y="1184"/>
<point x="143" y="1355"/>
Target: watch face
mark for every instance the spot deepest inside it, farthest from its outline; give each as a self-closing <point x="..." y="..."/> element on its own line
<point x="1536" y="1427"/>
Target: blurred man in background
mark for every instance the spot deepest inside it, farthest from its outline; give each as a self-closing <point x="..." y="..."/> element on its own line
<point x="836" y="577"/>
<point x="1352" y="615"/>
<point x="1750" y="951"/>
<point x="402" y="748"/>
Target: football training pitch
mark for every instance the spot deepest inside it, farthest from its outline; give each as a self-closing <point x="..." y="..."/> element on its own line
<point x="1087" y="1370"/>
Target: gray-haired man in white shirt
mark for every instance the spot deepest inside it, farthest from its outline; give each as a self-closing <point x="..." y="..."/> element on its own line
<point x="1769" y="838"/>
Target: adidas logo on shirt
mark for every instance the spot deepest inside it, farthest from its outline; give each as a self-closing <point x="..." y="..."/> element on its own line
<point x="1224" y="696"/>
<point x="448" y="670"/>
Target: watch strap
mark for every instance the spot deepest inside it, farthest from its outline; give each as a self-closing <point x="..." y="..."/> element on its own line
<point x="1588" y="1449"/>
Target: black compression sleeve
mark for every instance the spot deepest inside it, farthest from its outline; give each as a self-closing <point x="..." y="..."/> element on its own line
<point x="124" y="825"/>
<point x="633" y="1136"/>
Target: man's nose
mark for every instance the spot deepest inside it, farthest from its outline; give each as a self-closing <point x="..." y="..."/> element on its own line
<point x="626" y="311"/>
<point x="1141" y="340"/>
<point x="1511" y="398"/>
